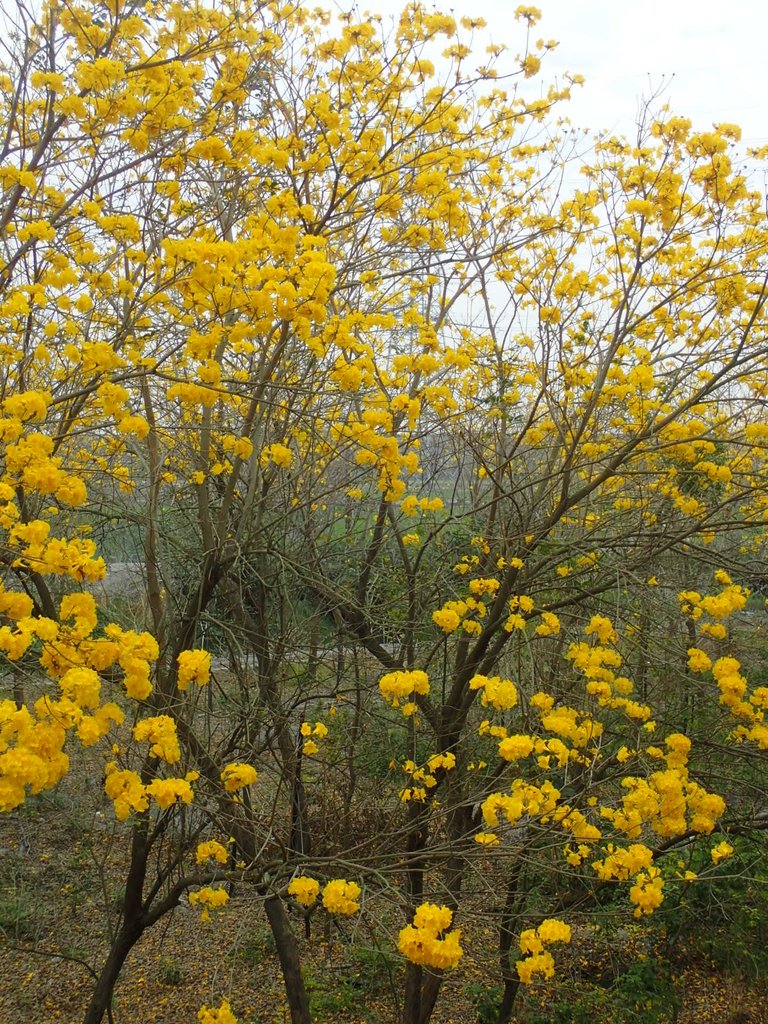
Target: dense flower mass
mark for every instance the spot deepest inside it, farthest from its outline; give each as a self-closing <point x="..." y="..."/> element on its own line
<point x="428" y="940"/>
<point x="304" y="890"/>
<point x="217" y="1015"/>
<point x="533" y="943"/>
<point x="194" y="667"/>
<point x="400" y="686"/>
<point x="160" y="732"/>
<point x="209" y="899"/>
<point x="341" y="897"/>
<point x="237" y="776"/>
<point x="211" y="850"/>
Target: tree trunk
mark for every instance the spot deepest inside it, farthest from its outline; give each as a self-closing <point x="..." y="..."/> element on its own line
<point x="507" y="933"/>
<point x="412" y="999"/>
<point x="134" y="924"/>
<point x="414" y="851"/>
<point x="430" y="990"/>
<point x="101" y="999"/>
<point x="290" y="962"/>
<point x="511" y="985"/>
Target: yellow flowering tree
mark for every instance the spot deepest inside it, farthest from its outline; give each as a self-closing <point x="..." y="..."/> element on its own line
<point x="294" y="311"/>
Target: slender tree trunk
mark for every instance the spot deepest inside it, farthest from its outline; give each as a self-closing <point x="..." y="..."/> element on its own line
<point x="134" y="923"/>
<point x="300" y="840"/>
<point x="507" y="933"/>
<point x="101" y="998"/>
<point x="511" y="985"/>
<point x="412" y="997"/>
<point x="415" y="846"/>
<point x="290" y="962"/>
<point x="430" y="990"/>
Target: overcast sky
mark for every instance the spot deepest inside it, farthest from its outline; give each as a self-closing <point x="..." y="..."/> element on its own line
<point x="716" y="55"/>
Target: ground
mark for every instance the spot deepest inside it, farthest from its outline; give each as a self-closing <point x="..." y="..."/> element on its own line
<point x="56" y="876"/>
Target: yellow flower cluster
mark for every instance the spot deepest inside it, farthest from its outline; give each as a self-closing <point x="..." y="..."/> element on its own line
<point x="648" y="891"/>
<point x="520" y="605"/>
<point x="194" y="667"/>
<point x="400" y="685"/>
<point x="161" y="733"/>
<point x="31" y="754"/>
<point x="622" y="864"/>
<point x="80" y="609"/>
<point x="129" y="793"/>
<point x="601" y="627"/>
<point x="445" y="761"/>
<point x="720" y="852"/>
<point x="341" y="897"/>
<point x="679" y="747"/>
<point x="209" y="899"/>
<point x="219" y="1015"/>
<point x="731" y="599"/>
<point x="427" y="941"/>
<point x="549" y="625"/>
<point x="312" y="733"/>
<point x="733" y="691"/>
<point x="31" y="745"/>
<point x="211" y="850"/>
<point x="698" y="660"/>
<point x="81" y="686"/>
<point x="500" y="694"/>
<point x="134" y="653"/>
<point x="570" y="724"/>
<point x="466" y="614"/>
<point x="126" y="790"/>
<point x="732" y="686"/>
<point x="54" y="556"/>
<point x="30" y="463"/>
<point x="423" y="779"/>
<point x="525" y="799"/>
<point x="484" y="586"/>
<point x="237" y="776"/>
<point x="516" y="746"/>
<point x="716" y="474"/>
<point x="533" y="943"/>
<point x="304" y="890"/>
<point x="91" y="728"/>
<point x="375" y="434"/>
<point x="487" y="839"/>
<point x="597" y="665"/>
<point x="668" y="802"/>
<point x="466" y="564"/>
<point x="167" y="792"/>
<point x="278" y="454"/>
<point x="411" y="505"/>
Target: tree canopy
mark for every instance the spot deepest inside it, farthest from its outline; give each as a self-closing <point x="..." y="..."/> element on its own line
<point x="440" y="483"/>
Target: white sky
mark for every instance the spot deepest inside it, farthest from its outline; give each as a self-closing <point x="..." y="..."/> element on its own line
<point x="715" y="54"/>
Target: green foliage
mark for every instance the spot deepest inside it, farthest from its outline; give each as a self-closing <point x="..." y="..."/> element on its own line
<point x="256" y="945"/>
<point x="366" y="973"/>
<point x="170" y="971"/>
<point x="583" y="1009"/>
<point x="17" y="917"/>
<point x="642" y="994"/>
<point x="725" y="921"/>
<point x="486" y="1001"/>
